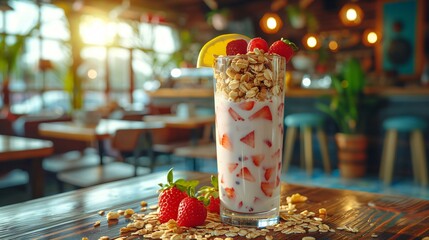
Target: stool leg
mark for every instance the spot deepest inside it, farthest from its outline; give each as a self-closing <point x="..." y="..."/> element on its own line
<point x="323" y="141"/>
<point x="308" y="150"/>
<point x="418" y="156"/>
<point x="288" y="147"/>
<point x="301" y="149"/>
<point x="389" y="155"/>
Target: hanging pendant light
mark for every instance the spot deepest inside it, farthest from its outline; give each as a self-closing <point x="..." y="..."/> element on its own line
<point x="351" y="14"/>
<point x="270" y="23"/>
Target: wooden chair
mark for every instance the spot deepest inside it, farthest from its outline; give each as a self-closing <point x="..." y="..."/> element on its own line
<point x="126" y="142"/>
<point x="200" y="151"/>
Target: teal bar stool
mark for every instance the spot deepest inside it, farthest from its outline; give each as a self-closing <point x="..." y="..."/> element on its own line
<point x="305" y="122"/>
<point x="414" y="126"/>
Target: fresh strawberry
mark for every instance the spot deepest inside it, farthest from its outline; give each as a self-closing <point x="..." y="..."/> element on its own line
<point x="249" y="139"/>
<point x="171" y="194"/>
<point x="246" y="174"/>
<point x="235" y="115"/>
<point x="264" y="113"/>
<point x="247" y="106"/>
<point x="284" y="48"/>
<point x="192" y="212"/>
<point x="230" y="192"/>
<point x="238" y="46"/>
<point x="258" y="159"/>
<point x="267" y="188"/>
<point x="214" y="205"/>
<point x="268" y="173"/>
<point x="240" y="204"/>
<point x="268" y="143"/>
<point x="257" y="43"/>
<point x="232" y="167"/>
<point x="210" y="195"/>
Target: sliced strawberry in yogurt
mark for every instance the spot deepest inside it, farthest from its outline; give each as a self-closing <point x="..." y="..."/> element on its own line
<point x="268" y="173"/>
<point x="258" y="159"/>
<point x="264" y="113"/>
<point x="235" y="115"/>
<point x="232" y="167"/>
<point x="249" y="139"/>
<point x="247" y="106"/>
<point x="268" y="188"/>
<point x="230" y="193"/>
<point x="246" y="174"/>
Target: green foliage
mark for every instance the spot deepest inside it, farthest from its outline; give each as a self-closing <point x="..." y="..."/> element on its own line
<point x="9" y="52"/>
<point x="348" y="107"/>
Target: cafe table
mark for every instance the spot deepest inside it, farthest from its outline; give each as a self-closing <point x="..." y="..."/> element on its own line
<point x="74" y="214"/>
<point x="192" y="123"/>
<point x="27" y="153"/>
<point x="105" y="129"/>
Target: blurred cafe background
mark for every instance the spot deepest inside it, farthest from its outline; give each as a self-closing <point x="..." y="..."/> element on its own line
<point x="361" y="76"/>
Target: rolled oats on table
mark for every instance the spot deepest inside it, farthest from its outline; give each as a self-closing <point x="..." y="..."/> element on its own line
<point x="148" y="226"/>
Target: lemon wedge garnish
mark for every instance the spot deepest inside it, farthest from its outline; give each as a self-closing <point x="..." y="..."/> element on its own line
<point x="215" y="47"/>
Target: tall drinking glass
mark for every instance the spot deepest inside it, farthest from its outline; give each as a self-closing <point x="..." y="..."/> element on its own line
<point x="249" y="106"/>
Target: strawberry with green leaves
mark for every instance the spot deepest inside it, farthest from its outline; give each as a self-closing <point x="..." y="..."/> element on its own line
<point x="192" y="212"/>
<point x="284" y="48"/>
<point x="210" y="195"/>
<point x="171" y="194"/>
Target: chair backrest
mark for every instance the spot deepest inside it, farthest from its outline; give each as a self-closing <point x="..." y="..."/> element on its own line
<point x="126" y="140"/>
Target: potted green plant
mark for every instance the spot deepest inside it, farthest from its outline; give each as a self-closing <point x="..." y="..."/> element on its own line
<point x="348" y="107"/>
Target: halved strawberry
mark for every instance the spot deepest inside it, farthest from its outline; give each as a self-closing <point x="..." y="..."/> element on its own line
<point x="226" y="142"/>
<point x="258" y="159"/>
<point x="277" y="181"/>
<point x="235" y="115"/>
<point x="247" y="106"/>
<point x="246" y="174"/>
<point x="221" y="180"/>
<point x="264" y="113"/>
<point x="268" y="142"/>
<point x="240" y="204"/>
<point x="232" y="167"/>
<point x="268" y="173"/>
<point x="230" y="193"/>
<point x="279" y="165"/>
<point x="249" y="139"/>
<point x="268" y="188"/>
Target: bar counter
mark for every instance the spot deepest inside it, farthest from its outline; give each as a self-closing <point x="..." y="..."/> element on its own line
<point x="165" y="93"/>
<point x="72" y="215"/>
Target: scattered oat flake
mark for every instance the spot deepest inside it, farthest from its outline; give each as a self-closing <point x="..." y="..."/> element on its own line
<point x="97" y="224"/>
<point x="101" y="212"/>
<point x="85" y="238"/>
<point x="374" y="235"/>
<point x="308" y="238"/>
<point x="153" y="207"/>
<point x="104" y="238"/>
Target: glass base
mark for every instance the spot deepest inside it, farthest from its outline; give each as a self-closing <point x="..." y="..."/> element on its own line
<point x="259" y="220"/>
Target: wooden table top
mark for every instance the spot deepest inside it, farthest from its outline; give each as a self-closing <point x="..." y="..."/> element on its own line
<point x="72" y="215"/>
<point x="104" y="129"/>
<point x="174" y="121"/>
<point x="13" y="148"/>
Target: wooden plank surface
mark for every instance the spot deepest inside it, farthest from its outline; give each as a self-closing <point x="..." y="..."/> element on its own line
<point x="71" y="215"/>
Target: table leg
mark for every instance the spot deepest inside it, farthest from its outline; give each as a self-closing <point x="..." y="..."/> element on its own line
<point x="37" y="179"/>
<point x="101" y="151"/>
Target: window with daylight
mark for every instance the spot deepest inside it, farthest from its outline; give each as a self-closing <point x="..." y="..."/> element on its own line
<point x="119" y="57"/>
